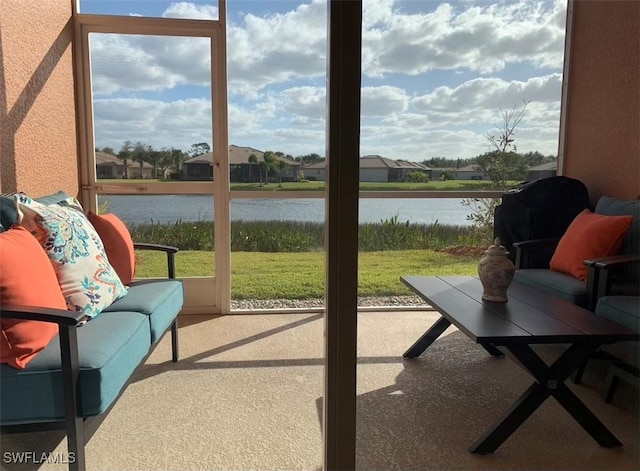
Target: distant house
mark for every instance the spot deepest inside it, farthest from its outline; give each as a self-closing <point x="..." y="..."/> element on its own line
<point x="110" y="166"/>
<point x="201" y="166"/>
<point x="550" y="169"/>
<point x="373" y="168"/>
<point x="470" y="172"/>
<point x="243" y="171"/>
<point x="315" y="171"/>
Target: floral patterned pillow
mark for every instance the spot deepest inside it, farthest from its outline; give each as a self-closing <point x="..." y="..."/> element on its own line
<point x="87" y="280"/>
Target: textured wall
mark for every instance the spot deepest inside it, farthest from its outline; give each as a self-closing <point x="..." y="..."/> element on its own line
<point x="602" y="145"/>
<point x="37" y="113"/>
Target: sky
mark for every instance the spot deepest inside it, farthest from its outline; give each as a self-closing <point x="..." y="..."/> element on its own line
<point x="436" y="76"/>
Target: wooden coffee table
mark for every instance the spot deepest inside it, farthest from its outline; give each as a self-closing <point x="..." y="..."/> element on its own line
<point x="529" y="317"/>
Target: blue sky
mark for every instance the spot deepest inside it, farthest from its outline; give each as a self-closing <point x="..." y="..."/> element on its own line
<point x="436" y="76"/>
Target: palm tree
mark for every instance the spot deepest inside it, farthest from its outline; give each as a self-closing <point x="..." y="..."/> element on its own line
<point x="264" y="167"/>
<point x="269" y="164"/>
<point x="140" y="155"/>
<point x="124" y="154"/>
<point x="253" y="160"/>
<point x="281" y="165"/>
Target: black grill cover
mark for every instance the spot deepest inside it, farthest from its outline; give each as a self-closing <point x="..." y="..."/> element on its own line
<point x="539" y="209"/>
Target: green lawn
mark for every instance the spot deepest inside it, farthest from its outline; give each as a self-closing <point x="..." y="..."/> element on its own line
<point x="259" y="275"/>
<point x="449" y="185"/>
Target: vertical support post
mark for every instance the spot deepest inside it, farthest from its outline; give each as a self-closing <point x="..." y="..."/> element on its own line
<point x="74" y="423"/>
<point x="174" y="341"/>
<point x="341" y="229"/>
<point x="564" y="100"/>
<point x="221" y="186"/>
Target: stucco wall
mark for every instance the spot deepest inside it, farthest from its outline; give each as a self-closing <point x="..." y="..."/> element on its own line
<point x="37" y="113"/>
<point x="602" y="146"/>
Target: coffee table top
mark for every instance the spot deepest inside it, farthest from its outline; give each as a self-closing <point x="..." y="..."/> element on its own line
<point x="530" y="316"/>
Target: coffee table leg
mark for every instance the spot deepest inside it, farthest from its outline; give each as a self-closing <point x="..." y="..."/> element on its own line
<point x="493" y="351"/>
<point x="427" y="339"/>
<point x="511" y="420"/>
<point x="550" y="381"/>
<point x="585" y="418"/>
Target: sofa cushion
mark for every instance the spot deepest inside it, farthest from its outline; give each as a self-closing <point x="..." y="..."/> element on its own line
<point x="624" y="310"/>
<point x="631" y="244"/>
<point x="54" y="198"/>
<point x="109" y="350"/>
<point x="8" y="212"/>
<point x="589" y="236"/>
<point x="556" y="283"/>
<point x="27" y="279"/>
<point x="618" y="207"/>
<point x="87" y="280"/>
<point x="160" y="300"/>
<point x="117" y="244"/>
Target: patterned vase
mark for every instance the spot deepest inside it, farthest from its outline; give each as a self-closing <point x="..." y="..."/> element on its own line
<point x="496" y="272"/>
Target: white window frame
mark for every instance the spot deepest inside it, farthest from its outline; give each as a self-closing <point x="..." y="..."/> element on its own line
<point x="202" y="294"/>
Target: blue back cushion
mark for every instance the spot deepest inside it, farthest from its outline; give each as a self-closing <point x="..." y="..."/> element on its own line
<point x="9" y="208"/>
<point x="618" y="207"/>
<point x="54" y="198"/>
<point x="8" y="212"/>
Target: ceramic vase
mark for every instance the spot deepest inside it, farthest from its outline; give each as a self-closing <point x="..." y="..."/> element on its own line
<point x="496" y="272"/>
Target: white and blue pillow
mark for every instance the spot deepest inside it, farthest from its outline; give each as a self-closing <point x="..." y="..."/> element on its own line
<point x="88" y="281"/>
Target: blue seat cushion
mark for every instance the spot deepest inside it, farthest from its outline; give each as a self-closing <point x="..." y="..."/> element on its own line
<point x="159" y="300"/>
<point x="556" y="283"/>
<point x="110" y="347"/>
<point x="624" y="310"/>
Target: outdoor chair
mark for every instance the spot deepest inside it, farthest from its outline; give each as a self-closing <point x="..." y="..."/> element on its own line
<point x="612" y="270"/>
<point x="625" y="356"/>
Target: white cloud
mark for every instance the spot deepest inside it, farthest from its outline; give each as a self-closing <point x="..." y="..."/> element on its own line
<point x="477" y="100"/>
<point x="277" y="48"/>
<point x="133" y="63"/>
<point x="383" y="101"/>
<point x="506" y="53"/>
<point x="480" y="38"/>
<point x="191" y="11"/>
<point x="160" y="124"/>
<point x="308" y="102"/>
<point x="418" y="144"/>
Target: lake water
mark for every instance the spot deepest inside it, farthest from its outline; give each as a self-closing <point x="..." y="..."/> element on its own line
<point x="171" y="208"/>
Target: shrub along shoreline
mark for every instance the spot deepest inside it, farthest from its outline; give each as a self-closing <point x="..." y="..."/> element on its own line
<point x="286" y="260"/>
<point x="292" y="236"/>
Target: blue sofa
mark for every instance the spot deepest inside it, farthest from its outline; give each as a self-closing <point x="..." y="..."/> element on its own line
<point x="617" y="274"/>
<point x="625" y="356"/>
<point x="75" y="381"/>
<point x="611" y="289"/>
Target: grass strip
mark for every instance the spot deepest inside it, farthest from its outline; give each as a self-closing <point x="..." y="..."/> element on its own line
<point x="447" y="185"/>
<point x="301" y="275"/>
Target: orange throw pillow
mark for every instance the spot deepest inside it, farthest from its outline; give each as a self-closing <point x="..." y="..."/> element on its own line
<point x="589" y="236"/>
<point x="118" y="244"/>
<point x="27" y="278"/>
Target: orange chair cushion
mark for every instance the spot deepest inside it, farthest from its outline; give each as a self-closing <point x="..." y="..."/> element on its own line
<point x="27" y="278"/>
<point x="118" y="244"/>
<point x="589" y="235"/>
